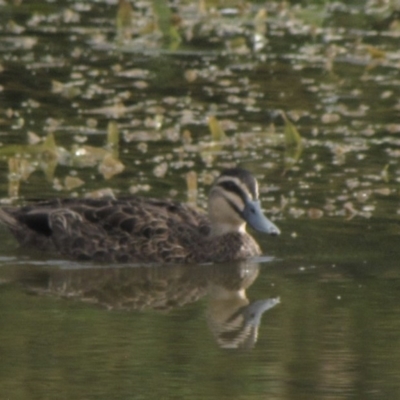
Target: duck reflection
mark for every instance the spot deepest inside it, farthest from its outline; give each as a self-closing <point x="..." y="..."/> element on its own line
<point x="232" y="318"/>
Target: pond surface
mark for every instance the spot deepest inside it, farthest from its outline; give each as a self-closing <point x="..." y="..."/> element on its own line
<point x="92" y="104"/>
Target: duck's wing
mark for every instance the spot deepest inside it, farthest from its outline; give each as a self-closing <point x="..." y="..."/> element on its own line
<point x="125" y="230"/>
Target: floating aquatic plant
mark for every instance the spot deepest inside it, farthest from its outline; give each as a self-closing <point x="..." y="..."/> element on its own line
<point x="191" y="182"/>
<point x="217" y="133"/>
<point x="293" y="143"/>
<point x="124" y="19"/>
<point x="45" y="155"/>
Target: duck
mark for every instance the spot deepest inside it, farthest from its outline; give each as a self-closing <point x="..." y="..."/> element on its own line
<point x="147" y="230"/>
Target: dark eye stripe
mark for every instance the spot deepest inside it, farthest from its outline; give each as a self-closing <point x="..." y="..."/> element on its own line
<point x="245" y="177"/>
<point x="233" y="188"/>
<point x="234" y="207"/>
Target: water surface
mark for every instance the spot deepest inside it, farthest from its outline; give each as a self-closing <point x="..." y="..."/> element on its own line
<point x="317" y="315"/>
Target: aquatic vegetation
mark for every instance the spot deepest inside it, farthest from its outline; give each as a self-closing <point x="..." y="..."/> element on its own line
<point x="293" y="143"/>
<point x="45" y="155"/>
<point x="201" y="86"/>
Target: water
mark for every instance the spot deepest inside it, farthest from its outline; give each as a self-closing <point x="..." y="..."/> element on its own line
<point x="84" y="331"/>
<point x="110" y="332"/>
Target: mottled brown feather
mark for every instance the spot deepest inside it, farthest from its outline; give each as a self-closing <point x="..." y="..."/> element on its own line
<point x="126" y="230"/>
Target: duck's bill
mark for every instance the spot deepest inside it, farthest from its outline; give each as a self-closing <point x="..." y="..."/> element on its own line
<point x="254" y="311"/>
<point x="254" y="216"/>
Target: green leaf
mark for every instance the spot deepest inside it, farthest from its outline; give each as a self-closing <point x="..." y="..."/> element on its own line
<point x="217" y="133"/>
<point x="293" y="143"/>
<point x="113" y="137"/>
<point x="292" y="135"/>
<point x="124" y="15"/>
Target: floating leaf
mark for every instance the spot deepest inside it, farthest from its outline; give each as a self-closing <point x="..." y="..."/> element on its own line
<point x="260" y="21"/>
<point x="383" y="191"/>
<point x="385" y="173"/>
<point x="149" y="28"/>
<point x="293" y="143"/>
<point x="217" y="133"/>
<point x="48" y="156"/>
<point x="110" y="166"/>
<point x="314" y="16"/>
<point x="238" y="45"/>
<point x="69" y="91"/>
<point x="72" y="182"/>
<point x="161" y="170"/>
<point x="190" y="75"/>
<point x="87" y="156"/>
<point x="315" y="213"/>
<point x="330" y="118"/>
<point x="43" y="156"/>
<point x="186" y="136"/>
<point x="167" y="22"/>
<point x="393" y="128"/>
<point x="13" y="27"/>
<point x="139" y="188"/>
<point x="174" y="38"/>
<point x="26" y="167"/>
<point x="19" y="169"/>
<point x="350" y="211"/>
<point x="124" y="15"/>
<point x="191" y="181"/>
<point x="49" y="144"/>
<point x="33" y="138"/>
<point x="116" y="110"/>
<point x="113" y="137"/>
<point x="48" y="166"/>
<point x="374" y="52"/>
<point x="101" y="193"/>
<point x="124" y="21"/>
<point x="292" y="135"/>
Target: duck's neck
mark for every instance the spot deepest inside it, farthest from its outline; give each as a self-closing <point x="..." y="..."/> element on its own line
<point x="224" y="228"/>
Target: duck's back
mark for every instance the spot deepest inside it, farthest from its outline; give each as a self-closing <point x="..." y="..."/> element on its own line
<point x="126" y="230"/>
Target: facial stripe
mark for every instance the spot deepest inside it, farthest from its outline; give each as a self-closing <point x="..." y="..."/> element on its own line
<point x="231" y="187"/>
<point x="243" y="178"/>
<point x="234" y="206"/>
<point x="233" y="200"/>
<point x="235" y="185"/>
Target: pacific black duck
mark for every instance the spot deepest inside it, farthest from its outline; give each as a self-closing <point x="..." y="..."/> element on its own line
<point x="138" y="229"/>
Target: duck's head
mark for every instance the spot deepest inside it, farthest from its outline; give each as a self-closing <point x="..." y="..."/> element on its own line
<point x="233" y="201"/>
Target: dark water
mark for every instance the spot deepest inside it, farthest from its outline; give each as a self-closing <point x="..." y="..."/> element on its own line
<point x="317" y="317"/>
